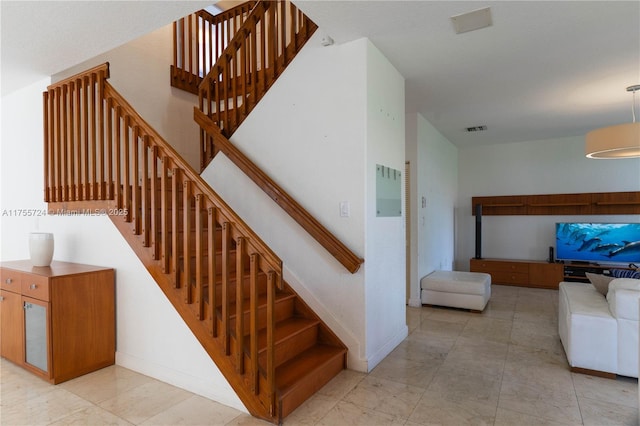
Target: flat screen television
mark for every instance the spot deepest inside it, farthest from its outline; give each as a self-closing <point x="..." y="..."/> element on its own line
<point x="598" y="242"/>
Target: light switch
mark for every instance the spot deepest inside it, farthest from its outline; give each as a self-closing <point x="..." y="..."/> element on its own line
<point x="345" y="209"/>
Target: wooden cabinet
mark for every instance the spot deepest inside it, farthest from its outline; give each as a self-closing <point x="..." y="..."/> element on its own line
<point x="59" y="321"/>
<point x="559" y="204"/>
<point x="524" y="273"/>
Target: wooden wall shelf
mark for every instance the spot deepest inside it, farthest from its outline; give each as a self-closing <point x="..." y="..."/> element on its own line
<point x="611" y="203"/>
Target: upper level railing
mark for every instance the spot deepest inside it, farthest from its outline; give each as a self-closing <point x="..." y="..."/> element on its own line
<point x="198" y="41"/>
<point x="271" y="36"/>
<point x="97" y="147"/>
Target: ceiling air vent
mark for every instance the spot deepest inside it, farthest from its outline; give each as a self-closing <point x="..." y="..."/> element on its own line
<point x="476" y="129"/>
<point x="472" y="21"/>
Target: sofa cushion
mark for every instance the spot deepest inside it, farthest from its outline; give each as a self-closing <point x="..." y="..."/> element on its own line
<point x="625" y="273"/>
<point x="623" y="297"/>
<point x="600" y="282"/>
<point x="584" y="299"/>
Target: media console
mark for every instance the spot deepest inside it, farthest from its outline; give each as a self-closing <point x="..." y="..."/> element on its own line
<point x="576" y="272"/>
<point x="537" y="273"/>
<point x="524" y="273"/>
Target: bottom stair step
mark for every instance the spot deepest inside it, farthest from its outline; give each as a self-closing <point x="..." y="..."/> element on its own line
<point x="302" y="376"/>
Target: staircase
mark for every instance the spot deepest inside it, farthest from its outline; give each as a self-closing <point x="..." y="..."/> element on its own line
<point x="222" y="279"/>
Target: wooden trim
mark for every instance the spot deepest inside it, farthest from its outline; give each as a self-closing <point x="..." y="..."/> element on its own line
<point x="594" y="203"/>
<point x="321" y="234"/>
<point x="597" y="373"/>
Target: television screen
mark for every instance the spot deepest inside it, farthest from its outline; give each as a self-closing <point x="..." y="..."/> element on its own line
<point x="598" y="242"/>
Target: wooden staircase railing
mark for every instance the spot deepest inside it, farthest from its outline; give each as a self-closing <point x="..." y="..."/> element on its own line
<point x="198" y="41"/>
<point x="223" y="280"/>
<point x="267" y="42"/>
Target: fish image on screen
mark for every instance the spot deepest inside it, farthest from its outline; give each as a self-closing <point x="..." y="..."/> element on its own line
<point x="598" y="242"/>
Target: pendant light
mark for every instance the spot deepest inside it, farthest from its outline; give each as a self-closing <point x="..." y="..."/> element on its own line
<point x="621" y="141"/>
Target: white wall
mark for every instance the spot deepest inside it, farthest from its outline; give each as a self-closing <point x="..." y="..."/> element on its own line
<point x="312" y="135"/>
<point x="151" y="337"/>
<point x="140" y="72"/>
<point x="434" y="176"/>
<point x="385" y="289"/>
<point x="537" y="167"/>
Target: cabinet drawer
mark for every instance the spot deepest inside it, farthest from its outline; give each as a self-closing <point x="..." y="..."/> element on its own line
<point x="503" y="277"/>
<point x="10" y="280"/>
<point x="35" y="286"/>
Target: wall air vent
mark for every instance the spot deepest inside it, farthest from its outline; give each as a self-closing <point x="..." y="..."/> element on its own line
<point x="476" y="129"/>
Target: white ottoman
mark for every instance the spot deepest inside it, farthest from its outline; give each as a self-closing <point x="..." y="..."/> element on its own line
<point x="455" y="289"/>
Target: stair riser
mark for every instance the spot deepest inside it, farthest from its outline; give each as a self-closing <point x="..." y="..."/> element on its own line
<point x="283" y="310"/>
<point x="284" y="350"/>
<point x="290" y="347"/>
<point x="310" y="385"/>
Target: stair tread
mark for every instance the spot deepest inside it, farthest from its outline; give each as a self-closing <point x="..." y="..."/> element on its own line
<point x="305" y="364"/>
<point x="262" y="302"/>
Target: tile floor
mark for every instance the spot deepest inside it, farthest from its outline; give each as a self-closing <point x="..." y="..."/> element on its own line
<point x="505" y="366"/>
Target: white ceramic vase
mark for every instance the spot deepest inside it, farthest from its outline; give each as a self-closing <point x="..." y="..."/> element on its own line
<point x="41" y="248"/>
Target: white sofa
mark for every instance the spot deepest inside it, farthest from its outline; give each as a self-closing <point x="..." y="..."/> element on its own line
<point x="600" y="334"/>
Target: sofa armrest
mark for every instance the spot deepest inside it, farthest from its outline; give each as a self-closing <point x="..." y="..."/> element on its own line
<point x="623" y="297"/>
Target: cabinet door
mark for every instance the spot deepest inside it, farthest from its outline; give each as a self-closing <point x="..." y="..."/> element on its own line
<point x="11" y="327"/>
<point x="36" y="333"/>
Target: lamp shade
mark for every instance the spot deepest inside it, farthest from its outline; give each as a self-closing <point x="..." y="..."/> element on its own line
<point x="621" y="141"/>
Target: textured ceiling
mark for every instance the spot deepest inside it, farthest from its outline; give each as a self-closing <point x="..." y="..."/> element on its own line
<point x="42" y="38"/>
<point x="545" y="69"/>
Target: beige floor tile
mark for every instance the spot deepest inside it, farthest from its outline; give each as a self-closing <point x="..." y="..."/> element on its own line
<point x="457" y="384"/>
<point x="433" y="409"/>
<point x="423" y="348"/>
<point x="345" y="413"/>
<point x="342" y="384"/>
<point x="247" y="420"/>
<point x="106" y="383"/>
<point x="442" y="328"/>
<point x="91" y="416"/>
<point x="549" y="400"/>
<point x="195" y="410"/>
<point x="456" y="316"/>
<point x="491" y="329"/>
<point x="623" y="390"/>
<point x="598" y="413"/>
<point x="535" y="336"/>
<point x="145" y="401"/>
<point x="311" y="411"/>
<point x="43" y="409"/>
<point x="385" y="396"/>
<point x="409" y="372"/>
<point x="512" y="418"/>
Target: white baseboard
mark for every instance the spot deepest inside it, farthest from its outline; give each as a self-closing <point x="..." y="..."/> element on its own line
<point x="386" y="349"/>
<point x="415" y="303"/>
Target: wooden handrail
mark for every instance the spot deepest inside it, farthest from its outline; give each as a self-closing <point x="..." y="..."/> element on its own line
<point x="97" y="147"/>
<point x="310" y="224"/>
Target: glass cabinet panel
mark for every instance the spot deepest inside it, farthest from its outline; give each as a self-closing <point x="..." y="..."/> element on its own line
<point x="35" y="335"/>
